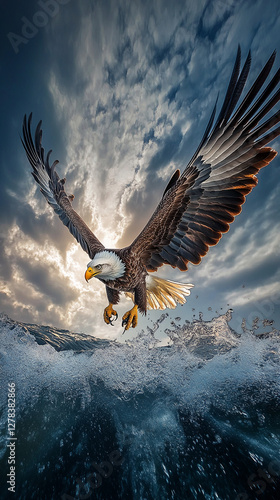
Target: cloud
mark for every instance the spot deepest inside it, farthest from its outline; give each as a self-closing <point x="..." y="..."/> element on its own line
<point x="255" y="294"/>
<point x="126" y="90"/>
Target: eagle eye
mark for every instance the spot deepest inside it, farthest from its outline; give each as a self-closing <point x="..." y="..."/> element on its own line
<point x="98" y="266"/>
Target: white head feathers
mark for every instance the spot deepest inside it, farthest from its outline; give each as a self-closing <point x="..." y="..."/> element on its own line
<point x="112" y="267"/>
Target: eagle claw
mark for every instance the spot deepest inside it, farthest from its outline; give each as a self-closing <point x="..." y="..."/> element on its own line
<point x="130" y="318"/>
<point x="108" y="313"/>
<point x="114" y="319"/>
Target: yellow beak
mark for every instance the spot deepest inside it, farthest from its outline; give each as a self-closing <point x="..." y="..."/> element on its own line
<point x="90" y="272"/>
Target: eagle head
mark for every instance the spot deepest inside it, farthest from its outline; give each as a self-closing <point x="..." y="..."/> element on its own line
<point x="106" y="265"/>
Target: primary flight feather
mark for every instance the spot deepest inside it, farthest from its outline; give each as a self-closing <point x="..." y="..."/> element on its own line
<point x="196" y="208"/>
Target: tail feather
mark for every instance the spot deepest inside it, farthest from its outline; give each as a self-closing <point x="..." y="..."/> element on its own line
<point x="162" y="294"/>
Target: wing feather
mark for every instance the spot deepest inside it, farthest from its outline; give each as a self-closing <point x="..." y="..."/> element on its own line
<point x="203" y="201"/>
<point x="52" y="187"/>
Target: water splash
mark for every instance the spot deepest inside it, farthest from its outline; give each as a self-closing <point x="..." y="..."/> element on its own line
<point x="198" y="418"/>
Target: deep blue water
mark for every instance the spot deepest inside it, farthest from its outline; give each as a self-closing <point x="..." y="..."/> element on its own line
<point x="95" y="419"/>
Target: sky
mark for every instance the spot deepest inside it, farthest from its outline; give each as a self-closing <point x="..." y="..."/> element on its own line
<point x="125" y="90"/>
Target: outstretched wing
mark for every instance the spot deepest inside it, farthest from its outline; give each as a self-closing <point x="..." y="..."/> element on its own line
<point x="52" y="188"/>
<point x="198" y="206"/>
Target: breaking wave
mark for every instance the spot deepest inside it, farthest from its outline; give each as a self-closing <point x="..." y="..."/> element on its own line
<point x="197" y="419"/>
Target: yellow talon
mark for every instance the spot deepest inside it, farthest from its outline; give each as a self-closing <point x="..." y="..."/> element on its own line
<point x="108" y="312"/>
<point x="130" y="318"/>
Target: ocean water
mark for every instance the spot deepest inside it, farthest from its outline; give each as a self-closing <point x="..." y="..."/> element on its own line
<point x="198" y="419"/>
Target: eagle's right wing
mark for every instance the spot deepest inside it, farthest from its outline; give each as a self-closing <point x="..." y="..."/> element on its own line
<point x="52" y="188"/>
<point x="199" y="205"/>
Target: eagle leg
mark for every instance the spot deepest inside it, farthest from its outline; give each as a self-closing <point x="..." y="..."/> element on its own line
<point x="130" y="318"/>
<point x="108" y="312"/>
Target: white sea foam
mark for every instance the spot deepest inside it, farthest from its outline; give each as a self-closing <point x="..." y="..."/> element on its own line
<point x="208" y="372"/>
<point x="204" y="357"/>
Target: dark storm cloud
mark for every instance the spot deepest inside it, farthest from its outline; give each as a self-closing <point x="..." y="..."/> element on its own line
<point x="161" y="54"/>
<point x="144" y="201"/>
<point x="125" y="90"/>
<point x="100" y="108"/>
<point x="5" y="265"/>
<point x="40" y="228"/>
<point x="47" y="283"/>
<point x="171" y="96"/>
<point x="167" y="149"/>
<point x="149" y="136"/>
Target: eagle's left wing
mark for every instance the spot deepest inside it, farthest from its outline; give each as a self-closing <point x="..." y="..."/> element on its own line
<point x="52" y="187"/>
<point x="198" y="206"/>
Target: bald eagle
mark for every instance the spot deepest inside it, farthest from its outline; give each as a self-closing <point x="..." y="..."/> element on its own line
<point x="197" y="205"/>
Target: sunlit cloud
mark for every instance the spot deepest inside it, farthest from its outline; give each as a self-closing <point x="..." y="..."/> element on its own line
<point x="125" y="95"/>
<point x="256" y="294"/>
